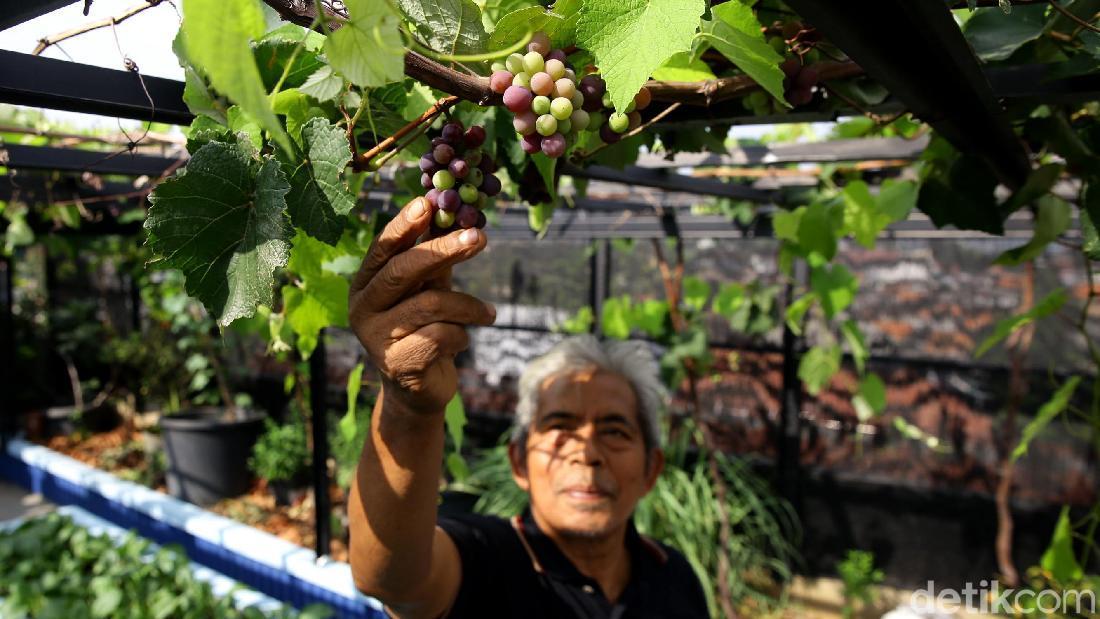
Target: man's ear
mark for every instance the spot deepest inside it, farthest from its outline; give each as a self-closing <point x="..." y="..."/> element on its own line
<point x="519" y="467"/>
<point x="656" y="465"/>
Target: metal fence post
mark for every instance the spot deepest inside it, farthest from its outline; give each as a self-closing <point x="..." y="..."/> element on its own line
<point x="318" y="391"/>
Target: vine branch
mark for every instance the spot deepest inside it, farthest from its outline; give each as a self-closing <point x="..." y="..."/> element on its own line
<point x="1080" y="22"/>
<point x="45" y="42"/>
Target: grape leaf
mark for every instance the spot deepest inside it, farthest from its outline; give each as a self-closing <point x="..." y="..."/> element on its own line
<point x="615" y="318"/>
<point x="736" y="33"/>
<point x="650" y="316"/>
<point x="455" y="418"/>
<point x="796" y="311"/>
<point x="220" y="221"/>
<point x="272" y="57"/>
<point x="1053" y="219"/>
<point x="856" y="343"/>
<point x="319" y="199"/>
<point x="835" y="286"/>
<point x="320" y="298"/>
<point x="818" y="366"/>
<point x="218" y="37"/>
<point x="348" y="425"/>
<point x="995" y="36"/>
<point x="294" y="33"/>
<point x="817" y="229"/>
<point x="515" y="25"/>
<point x="368" y="49"/>
<point x="631" y="38"/>
<point x="564" y="34"/>
<point x="1059" y="559"/>
<point x="448" y="26"/>
<point x="696" y="292"/>
<point x="323" y="84"/>
<point x="682" y="67"/>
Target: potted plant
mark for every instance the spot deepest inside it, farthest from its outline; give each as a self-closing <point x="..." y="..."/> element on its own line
<point x="209" y="432"/>
<point x="281" y="456"/>
<point x="78" y="336"/>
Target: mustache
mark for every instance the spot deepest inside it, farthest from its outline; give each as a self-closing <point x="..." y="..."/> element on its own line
<point x="594" y="480"/>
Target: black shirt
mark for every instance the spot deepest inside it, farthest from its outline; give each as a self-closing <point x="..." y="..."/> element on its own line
<point x="511" y="569"/>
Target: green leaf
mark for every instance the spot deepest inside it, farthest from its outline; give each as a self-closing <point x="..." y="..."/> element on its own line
<point x="1037" y="185"/>
<point x="681" y="67"/>
<point x="896" y="199"/>
<point x="856" y="344"/>
<point x="730" y="297"/>
<point x="785" y="224"/>
<point x="272" y="56"/>
<point x="1047" y="412"/>
<point x="564" y="34"/>
<point x="218" y="36"/>
<point x="323" y="84"/>
<point x="696" y="293"/>
<point x="456" y="465"/>
<point x="818" y="366"/>
<point x="650" y="316"/>
<point x="107" y="601"/>
<point x="1050" y="304"/>
<point x="1091" y="238"/>
<point x="221" y="222"/>
<point x="861" y="215"/>
<point x="1054" y="218"/>
<point x="451" y="27"/>
<point x="293" y="33"/>
<point x="581" y="322"/>
<point x="995" y="36"/>
<point x="348" y="426"/>
<point x="835" y="286"/>
<point x="817" y="229"/>
<point x="319" y="199"/>
<point x="320" y="299"/>
<point x="736" y="33"/>
<point x="455" y="418"/>
<point x="546" y="167"/>
<point x="797" y="311"/>
<point x="515" y="25"/>
<point x="872" y="391"/>
<point x="539" y="216"/>
<point x="368" y="50"/>
<point x="631" y="38"/>
<point x="1059" y="558"/>
<point x="615" y="318"/>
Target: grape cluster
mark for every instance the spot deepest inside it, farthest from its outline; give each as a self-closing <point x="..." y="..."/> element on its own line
<point x="551" y="105"/>
<point x="799" y="81"/>
<point x="459" y="177"/>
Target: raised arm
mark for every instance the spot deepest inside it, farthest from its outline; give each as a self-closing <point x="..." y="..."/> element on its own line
<point x="412" y="325"/>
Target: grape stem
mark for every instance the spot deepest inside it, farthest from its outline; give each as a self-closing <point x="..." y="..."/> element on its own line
<point x="578" y="157"/>
<point x="878" y="119"/>
<point x="362" y="162"/>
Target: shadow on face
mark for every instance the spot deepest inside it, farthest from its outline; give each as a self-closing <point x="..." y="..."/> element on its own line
<point x="586" y="465"/>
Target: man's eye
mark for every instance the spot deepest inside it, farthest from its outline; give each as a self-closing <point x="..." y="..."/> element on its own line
<point x="617" y="433"/>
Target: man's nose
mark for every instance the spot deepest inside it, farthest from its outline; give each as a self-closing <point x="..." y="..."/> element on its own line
<point x="585" y="446"/>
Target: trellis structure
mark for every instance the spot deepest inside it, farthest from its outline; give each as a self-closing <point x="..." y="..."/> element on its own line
<point x="922" y="59"/>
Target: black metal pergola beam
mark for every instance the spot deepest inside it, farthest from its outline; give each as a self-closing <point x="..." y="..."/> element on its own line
<point x="15" y="12"/>
<point x="662" y="179"/>
<point x="22" y="157"/>
<point x="831" y="151"/>
<point x="917" y="51"/>
<point x="61" y="85"/>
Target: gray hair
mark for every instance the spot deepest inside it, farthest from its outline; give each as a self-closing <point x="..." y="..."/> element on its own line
<point x="630" y="359"/>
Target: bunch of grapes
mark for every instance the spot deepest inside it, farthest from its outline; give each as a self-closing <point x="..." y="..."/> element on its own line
<point x="550" y="105"/>
<point x="459" y="178"/>
<point x="799" y="81"/>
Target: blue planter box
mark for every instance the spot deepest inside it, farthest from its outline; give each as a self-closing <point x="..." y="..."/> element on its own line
<point x="255" y="558"/>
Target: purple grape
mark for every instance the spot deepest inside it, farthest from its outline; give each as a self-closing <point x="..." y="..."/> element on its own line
<point x="466" y="217"/>
<point x="609" y="136"/>
<point x="499" y="81"/>
<point x="539" y="43"/>
<point x="531" y="143"/>
<point x="556" y="54"/>
<point x="459" y="168"/>
<point x="524" y="122"/>
<point x="433" y="197"/>
<point x="427" y="164"/>
<point x="449" y="200"/>
<point x="487" y="165"/>
<point x="553" y="146"/>
<point x="490" y="185"/>
<point x="426" y="181"/>
<point x="481" y="220"/>
<point x="517" y="99"/>
<point x="437" y="141"/>
<point x="443" y="153"/>
<point x="592" y="85"/>
<point x="452" y="132"/>
<point x="475" y="136"/>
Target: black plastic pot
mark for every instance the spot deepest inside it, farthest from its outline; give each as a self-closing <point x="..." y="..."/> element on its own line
<point x="207" y="456"/>
<point x="287" y="492"/>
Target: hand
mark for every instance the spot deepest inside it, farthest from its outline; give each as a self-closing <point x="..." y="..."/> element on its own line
<point x="404" y="313"/>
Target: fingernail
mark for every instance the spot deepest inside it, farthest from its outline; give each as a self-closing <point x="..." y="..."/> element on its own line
<point x="492" y="310"/>
<point x="417" y="209"/>
<point x="468" y="236"/>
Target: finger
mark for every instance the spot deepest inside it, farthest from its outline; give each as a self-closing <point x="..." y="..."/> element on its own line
<point x="435" y="306"/>
<point x="419" y="350"/>
<point x="411" y="268"/>
<point x="398" y="235"/>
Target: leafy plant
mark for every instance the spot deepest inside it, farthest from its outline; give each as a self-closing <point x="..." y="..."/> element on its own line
<point x="51" y="567"/>
<point x="282" y="451"/>
<point x="859" y="575"/>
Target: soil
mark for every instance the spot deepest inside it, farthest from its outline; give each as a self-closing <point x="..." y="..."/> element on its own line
<point x="129" y="455"/>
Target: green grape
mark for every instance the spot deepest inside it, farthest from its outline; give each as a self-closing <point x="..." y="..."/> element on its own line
<point x="522" y="79"/>
<point x="540" y="105"/>
<point x="533" y="62"/>
<point x="468" y="193"/>
<point x="561" y="108"/>
<point x="565" y="126"/>
<point x="514" y="63"/>
<point x="619" y="123"/>
<point x="443" y="179"/>
<point x="443" y="219"/>
<point x="546" y="125"/>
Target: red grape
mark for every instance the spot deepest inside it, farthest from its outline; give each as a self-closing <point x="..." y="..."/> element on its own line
<point x="531" y="143"/>
<point x="466" y="216"/>
<point x="499" y="81"/>
<point x="452" y="132"/>
<point x="553" y="146"/>
<point x="475" y="136"/>
<point x="443" y="153"/>
<point x="517" y="99"/>
<point x="459" y="168"/>
<point x="449" y="200"/>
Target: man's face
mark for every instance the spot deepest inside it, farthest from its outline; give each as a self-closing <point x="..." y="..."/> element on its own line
<point x="586" y="465"/>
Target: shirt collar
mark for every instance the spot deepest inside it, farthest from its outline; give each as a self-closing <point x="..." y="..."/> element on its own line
<point x="547" y="558"/>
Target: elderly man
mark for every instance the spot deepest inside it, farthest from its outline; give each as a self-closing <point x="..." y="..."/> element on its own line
<point x="585" y="449"/>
